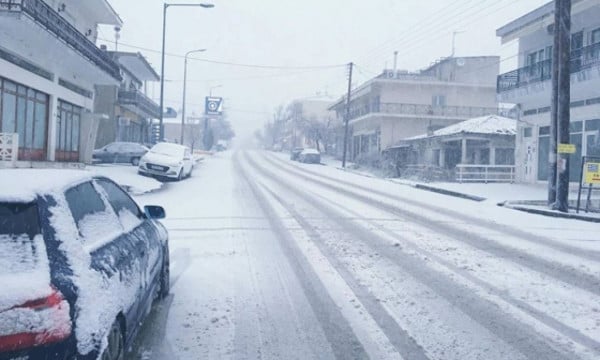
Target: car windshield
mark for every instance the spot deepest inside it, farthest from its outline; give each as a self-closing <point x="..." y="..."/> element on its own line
<point x="168" y="149"/>
<point x="321" y="179"/>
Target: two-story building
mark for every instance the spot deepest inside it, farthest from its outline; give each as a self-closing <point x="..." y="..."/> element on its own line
<point x="397" y="104"/>
<point x="530" y="86"/>
<point x="130" y="111"/>
<point x="49" y="67"/>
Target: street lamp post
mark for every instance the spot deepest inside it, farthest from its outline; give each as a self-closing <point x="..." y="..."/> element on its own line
<point x="185" y="90"/>
<point x="162" y="67"/>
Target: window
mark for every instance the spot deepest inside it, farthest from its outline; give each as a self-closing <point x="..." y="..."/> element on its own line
<point x="117" y="198"/>
<point x="25" y="112"/>
<point x="544" y="130"/>
<point x="84" y="200"/>
<point x="67" y="132"/>
<point x="527" y="132"/>
<point x="595" y="37"/>
<point x="439" y="100"/>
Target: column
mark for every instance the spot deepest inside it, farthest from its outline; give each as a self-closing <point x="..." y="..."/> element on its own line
<point x="492" y="155"/>
<point x="463" y="158"/>
<point x="442" y="160"/>
<point x="52" y="127"/>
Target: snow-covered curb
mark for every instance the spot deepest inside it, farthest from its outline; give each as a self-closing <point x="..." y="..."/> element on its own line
<point x="127" y="177"/>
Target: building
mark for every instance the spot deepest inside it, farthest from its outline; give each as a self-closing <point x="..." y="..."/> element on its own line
<point x="397" y="104"/>
<point x="530" y="86"/>
<point x="130" y="111"/>
<point x="487" y="142"/>
<point x="49" y="67"/>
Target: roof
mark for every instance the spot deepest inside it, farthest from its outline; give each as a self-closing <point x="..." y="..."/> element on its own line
<point x="103" y="12"/>
<point x="485" y="125"/>
<point x="25" y="185"/>
<point x="545" y="12"/>
<point x="136" y="64"/>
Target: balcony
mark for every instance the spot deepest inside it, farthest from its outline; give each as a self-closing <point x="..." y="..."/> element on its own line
<point x="581" y="59"/>
<point x="458" y="112"/>
<point x="49" y="19"/>
<point x="139" y="103"/>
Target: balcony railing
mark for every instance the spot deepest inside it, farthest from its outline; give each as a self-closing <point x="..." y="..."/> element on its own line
<point x="135" y="98"/>
<point x="581" y="59"/>
<point x="57" y="25"/>
<point x="423" y="110"/>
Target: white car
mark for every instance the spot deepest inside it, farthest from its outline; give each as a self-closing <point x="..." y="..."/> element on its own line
<point x="167" y="160"/>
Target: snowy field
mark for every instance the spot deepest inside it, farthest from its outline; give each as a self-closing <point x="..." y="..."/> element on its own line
<point x="275" y="259"/>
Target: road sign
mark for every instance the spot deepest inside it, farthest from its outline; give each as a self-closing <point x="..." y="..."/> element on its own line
<point x="591" y="173"/>
<point x="213" y="105"/>
<point x="567" y="149"/>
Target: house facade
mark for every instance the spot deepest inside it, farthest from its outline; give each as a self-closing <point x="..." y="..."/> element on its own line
<point x="130" y="111"/>
<point x="530" y="86"/>
<point x="396" y="104"/>
<point x="49" y="67"/>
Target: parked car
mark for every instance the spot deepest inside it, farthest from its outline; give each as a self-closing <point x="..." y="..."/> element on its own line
<point x="167" y="160"/>
<point x="120" y="152"/>
<point x="295" y="153"/>
<point x="310" y="156"/>
<point x="81" y="265"/>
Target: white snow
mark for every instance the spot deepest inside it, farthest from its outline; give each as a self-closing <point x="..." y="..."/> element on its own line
<point x="24" y="185"/>
<point x="489" y="125"/>
<point x="127" y="177"/>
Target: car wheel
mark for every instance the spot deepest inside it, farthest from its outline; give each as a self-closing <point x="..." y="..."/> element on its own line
<point x="135" y="161"/>
<point x="165" y="279"/>
<point x="115" y="348"/>
<point x="180" y="176"/>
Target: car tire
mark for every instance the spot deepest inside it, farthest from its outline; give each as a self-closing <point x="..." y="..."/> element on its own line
<point x="165" y="278"/>
<point x="180" y="176"/>
<point x="115" y="348"/>
<point x="135" y="161"/>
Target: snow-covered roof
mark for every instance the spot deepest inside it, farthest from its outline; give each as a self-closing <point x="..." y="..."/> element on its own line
<point x="487" y="125"/>
<point x="24" y="185"/>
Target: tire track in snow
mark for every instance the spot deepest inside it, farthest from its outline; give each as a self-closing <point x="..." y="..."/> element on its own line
<point x="483" y="311"/>
<point x="342" y="339"/>
<point x="557" y="271"/>
<point x="511" y="231"/>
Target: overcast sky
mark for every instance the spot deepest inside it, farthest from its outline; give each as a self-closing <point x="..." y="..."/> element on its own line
<point x="303" y="33"/>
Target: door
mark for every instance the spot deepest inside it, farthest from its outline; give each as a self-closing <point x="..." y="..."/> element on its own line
<point x="528" y="156"/>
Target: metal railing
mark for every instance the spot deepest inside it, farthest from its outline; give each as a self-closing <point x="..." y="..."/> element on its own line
<point x="47" y="17"/>
<point x="141" y="101"/>
<point x="485" y="173"/>
<point x="9" y="147"/>
<point x="581" y="59"/>
<point x="424" y="110"/>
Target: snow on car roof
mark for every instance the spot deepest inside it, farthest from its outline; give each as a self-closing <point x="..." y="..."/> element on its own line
<point x="310" y="151"/>
<point x="24" y="185"/>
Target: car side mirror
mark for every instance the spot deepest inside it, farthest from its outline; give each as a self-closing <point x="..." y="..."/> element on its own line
<point x="155" y="212"/>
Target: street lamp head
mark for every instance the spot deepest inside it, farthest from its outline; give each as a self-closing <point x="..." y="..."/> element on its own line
<point x="207" y="6"/>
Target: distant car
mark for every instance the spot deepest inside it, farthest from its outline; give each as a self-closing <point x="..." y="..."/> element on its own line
<point x="295" y="153"/>
<point x="120" y="152"/>
<point x="81" y="265"/>
<point x="167" y="160"/>
<point x="310" y="156"/>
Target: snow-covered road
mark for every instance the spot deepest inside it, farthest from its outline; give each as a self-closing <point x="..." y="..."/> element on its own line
<point x="279" y="260"/>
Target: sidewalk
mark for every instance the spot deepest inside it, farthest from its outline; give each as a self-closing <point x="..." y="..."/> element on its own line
<point x="524" y="197"/>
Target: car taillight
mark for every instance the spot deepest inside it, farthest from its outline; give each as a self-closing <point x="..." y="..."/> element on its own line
<point x="37" y="322"/>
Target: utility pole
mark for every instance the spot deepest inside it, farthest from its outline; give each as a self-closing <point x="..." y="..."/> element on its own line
<point x="564" y="105"/>
<point x="347" y="117"/>
<point x="552" y="151"/>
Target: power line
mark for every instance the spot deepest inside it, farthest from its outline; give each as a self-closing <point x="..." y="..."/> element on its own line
<point x="254" y="66"/>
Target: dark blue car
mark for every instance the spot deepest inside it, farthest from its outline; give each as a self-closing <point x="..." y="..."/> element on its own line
<point x="81" y="265"/>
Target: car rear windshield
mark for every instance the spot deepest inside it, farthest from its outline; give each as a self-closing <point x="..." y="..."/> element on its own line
<point x="19" y="235"/>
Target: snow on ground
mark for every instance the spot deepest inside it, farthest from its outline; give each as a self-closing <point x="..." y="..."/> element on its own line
<point x="127" y="177"/>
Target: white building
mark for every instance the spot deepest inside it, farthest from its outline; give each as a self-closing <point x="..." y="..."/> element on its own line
<point x="398" y="104"/>
<point x="530" y="86"/>
<point x="49" y="67"/>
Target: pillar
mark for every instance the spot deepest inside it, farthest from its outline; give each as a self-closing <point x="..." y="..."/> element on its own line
<point x="463" y="158"/>
<point x="492" y="155"/>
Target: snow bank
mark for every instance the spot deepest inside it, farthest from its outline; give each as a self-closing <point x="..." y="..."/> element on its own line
<point x="127" y="177"/>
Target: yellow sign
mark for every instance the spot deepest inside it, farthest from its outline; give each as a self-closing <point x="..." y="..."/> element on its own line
<point x="567" y="149"/>
<point x="591" y="173"/>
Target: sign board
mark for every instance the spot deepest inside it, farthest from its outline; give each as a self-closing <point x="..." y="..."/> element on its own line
<point x="213" y="105"/>
<point x="591" y="173"/>
<point x="567" y="149"/>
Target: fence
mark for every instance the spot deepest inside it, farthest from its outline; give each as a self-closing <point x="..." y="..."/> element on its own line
<point x="9" y="147"/>
<point x="485" y="173"/>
